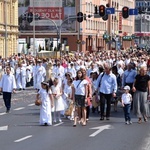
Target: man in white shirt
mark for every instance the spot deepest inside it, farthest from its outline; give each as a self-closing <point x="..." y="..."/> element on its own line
<point x="8" y="88"/>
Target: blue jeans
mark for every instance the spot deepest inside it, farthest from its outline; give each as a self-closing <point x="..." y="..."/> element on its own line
<point x="127" y="108"/>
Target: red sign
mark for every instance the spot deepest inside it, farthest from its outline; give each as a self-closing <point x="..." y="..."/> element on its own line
<point x="120" y="21"/>
<point x="142" y="34"/>
<point x="54" y="13"/>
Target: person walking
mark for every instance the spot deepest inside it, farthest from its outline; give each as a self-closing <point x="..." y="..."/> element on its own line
<point x="7" y="86"/>
<point x="126" y="99"/>
<point x="79" y="95"/>
<point x="128" y="79"/>
<point x="21" y="77"/>
<point x="58" y="101"/>
<point x="107" y="86"/>
<point x="46" y="104"/>
<point x="141" y="89"/>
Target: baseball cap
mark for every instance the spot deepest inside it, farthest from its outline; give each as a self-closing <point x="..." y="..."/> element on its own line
<point x="126" y="87"/>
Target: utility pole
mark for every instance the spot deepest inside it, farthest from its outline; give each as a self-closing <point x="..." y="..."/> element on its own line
<point x="6" y="34"/>
<point x="34" y="50"/>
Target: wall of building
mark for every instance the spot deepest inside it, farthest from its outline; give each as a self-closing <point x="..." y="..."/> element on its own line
<point x="8" y="27"/>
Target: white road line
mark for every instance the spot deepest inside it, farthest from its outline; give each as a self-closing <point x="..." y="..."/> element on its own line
<point x="31" y="104"/>
<point x="2" y="113"/>
<point x="58" y="124"/>
<point x="24" y="138"/>
<point x="3" y="128"/>
<point x="20" y="108"/>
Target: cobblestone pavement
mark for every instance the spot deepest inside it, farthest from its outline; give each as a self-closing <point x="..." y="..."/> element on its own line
<point x="23" y="95"/>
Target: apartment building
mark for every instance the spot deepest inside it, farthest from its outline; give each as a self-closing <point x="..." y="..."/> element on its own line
<point x="8" y="27"/>
<point x="142" y="23"/>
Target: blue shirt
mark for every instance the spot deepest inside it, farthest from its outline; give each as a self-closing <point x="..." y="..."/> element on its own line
<point x="129" y="76"/>
<point x="108" y="83"/>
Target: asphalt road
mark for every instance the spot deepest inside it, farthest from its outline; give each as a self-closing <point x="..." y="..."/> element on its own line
<point x="20" y="130"/>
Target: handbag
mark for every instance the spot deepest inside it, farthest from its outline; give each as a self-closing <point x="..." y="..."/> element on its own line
<point x="69" y="110"/>
<point x="38" y="102"/>
<point x="94" y="103"/>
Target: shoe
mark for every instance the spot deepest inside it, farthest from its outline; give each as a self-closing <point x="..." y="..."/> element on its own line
<point x="126" y="122"/>
<point x="145" y="119"/>
<point x="74" y="125"/>
<point x="60" y="120"/>
<point x="45" y="124"/>
<point x="7" y="111"/>
<point x="54" y="121"/>
<point x="140" y="121"/>
<point x="130" y="122"/>
<point x="107" y="118"/>
<point x="84" y="124"/>
<point x="102" y="118"/>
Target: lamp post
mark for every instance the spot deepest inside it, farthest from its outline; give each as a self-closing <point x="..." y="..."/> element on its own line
<point x="6" y="34"/>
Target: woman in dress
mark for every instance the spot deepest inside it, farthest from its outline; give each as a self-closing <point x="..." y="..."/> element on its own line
<point x="46" y="104"/>
<point x="141" y="89"/>
<point x="58" y="101"/>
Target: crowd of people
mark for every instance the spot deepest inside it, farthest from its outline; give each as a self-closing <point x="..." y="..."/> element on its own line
<point x="85" y="80"/>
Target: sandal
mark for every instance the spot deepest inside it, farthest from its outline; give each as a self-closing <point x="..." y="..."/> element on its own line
<point x="140" y="121"/>
<point x="84" y="124"/>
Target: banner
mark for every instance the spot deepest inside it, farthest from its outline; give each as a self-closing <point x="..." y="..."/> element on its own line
<point x="52" y="13"/>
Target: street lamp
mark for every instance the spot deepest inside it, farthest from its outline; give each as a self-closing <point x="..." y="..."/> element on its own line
<point x="6" y="33"/>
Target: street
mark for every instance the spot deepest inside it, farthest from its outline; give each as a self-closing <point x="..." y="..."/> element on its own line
<point x="20" y="130"/>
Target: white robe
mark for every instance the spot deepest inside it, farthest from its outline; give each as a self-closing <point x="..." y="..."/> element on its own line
<point x="21" y="77"/>
<point x="45" y="108"/>
<point x="40" y="76"/>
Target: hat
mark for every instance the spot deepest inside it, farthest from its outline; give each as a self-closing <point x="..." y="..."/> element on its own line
<point x="39" y="60"/>
<point x="126" y="87"/>
<point x="45" y="83"/>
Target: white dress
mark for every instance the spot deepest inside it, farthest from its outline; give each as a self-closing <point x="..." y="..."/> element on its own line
<point x="58" y="102"/>
<point x="45" y="108"/>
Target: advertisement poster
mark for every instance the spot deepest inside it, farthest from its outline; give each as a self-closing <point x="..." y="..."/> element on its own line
<point x="52" y="14"/>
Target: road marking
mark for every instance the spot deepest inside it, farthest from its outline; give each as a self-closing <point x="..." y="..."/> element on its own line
<point x="2" y="113"/>
<point x="20" y="108"/>
<point x="100" y="129"/>
<point x="3" y="128"/>
<point x="24" y="138"/>
<point x="58" y="124"/>
<point x="31" y="104"/>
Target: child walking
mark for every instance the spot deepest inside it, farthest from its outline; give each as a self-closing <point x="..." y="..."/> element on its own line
<point x="126" y="100"/>
<point x="58" y="101"/>
<point x="46" y="103"/>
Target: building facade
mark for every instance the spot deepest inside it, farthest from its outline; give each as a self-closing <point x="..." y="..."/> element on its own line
<point x="8" y="27"/>
<point x="58" y="24"/>
<point x="142" y="23"/>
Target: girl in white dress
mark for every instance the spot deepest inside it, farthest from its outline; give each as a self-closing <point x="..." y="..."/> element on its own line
<point x="47" y="102"/>
<point x="58" y="101"/>
<point x="67" y="95"/>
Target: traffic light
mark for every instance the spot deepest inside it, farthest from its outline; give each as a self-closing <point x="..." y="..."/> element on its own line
<point x="125" y="12"/>
<point x="79" y="17"/>
<point x="102" y="10"/>
<point x="30" y="17"/>
<point x="84" y="16"/>
<point x="96" y="12"/>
